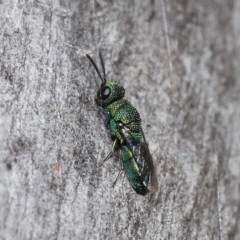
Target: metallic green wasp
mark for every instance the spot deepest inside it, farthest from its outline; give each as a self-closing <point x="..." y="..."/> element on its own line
<point x="124" y="123"/>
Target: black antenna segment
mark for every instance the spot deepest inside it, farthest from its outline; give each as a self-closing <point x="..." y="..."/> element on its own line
<point x="96" y="68"/>
<point x="103" y="67"/>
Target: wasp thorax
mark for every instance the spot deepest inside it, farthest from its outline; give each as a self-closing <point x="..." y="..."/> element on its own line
<point x="108" y="93"/>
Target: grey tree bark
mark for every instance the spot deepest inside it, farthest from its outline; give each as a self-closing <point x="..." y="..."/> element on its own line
<point x="179" y="63"/>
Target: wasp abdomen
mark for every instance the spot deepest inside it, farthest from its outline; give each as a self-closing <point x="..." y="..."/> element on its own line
<point x="132" y="171"/>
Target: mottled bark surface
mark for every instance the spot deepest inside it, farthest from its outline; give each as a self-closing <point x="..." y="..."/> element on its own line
<point x="179" y="63"/>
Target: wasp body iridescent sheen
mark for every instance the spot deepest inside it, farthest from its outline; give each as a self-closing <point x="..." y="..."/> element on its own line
<point x="124" y="123"/>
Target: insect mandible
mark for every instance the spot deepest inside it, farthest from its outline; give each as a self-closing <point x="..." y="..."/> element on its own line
<point x="124" y="124"/>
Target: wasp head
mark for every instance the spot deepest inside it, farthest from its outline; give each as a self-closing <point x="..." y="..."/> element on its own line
<point x="108" y="91"/>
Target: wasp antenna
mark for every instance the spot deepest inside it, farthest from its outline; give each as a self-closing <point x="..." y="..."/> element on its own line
<point x="96" y="68"/>
<point x="103" y="67"/>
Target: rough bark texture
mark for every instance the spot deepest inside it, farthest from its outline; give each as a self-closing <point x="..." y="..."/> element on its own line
<point x="179" y="64"/>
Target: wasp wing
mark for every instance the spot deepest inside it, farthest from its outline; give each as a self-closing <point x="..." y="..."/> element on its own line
<point x="149" y="171"/>
<point x="142" y="156"/>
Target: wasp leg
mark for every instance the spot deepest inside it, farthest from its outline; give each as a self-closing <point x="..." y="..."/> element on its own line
<point x="121" y="170"/>
<point x="99" y="110"/>
<point x="87" y="101"/>
<point x="109" y="155"/>
<point x="102" y="110"/>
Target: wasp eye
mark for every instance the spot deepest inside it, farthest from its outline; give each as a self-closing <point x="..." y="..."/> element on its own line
<point x="104" y="92"/>
<point x="120" y="124"/>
